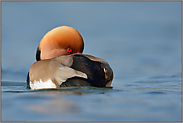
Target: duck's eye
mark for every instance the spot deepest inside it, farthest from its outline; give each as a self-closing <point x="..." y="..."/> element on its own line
<point x="69" y="50"/>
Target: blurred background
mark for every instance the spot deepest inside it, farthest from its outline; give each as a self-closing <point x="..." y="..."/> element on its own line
<point x="140" y="40"/>
<point x="131" y="36"/>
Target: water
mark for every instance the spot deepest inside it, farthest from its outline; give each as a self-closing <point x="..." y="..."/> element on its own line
<point x="140" y="40"/>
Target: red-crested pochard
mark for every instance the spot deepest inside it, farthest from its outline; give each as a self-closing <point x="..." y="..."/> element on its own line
<point x="60" y="63"/>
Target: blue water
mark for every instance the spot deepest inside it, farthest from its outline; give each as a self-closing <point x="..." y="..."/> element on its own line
<point x="140" y="40"/>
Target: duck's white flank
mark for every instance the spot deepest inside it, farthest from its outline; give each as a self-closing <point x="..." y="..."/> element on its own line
<point x="42" y="85"/>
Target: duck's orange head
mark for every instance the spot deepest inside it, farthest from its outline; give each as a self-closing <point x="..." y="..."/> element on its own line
<point x="63" y="40"/>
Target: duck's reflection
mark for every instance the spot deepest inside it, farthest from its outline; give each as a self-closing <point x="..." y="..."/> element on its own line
<point x="58" y="104"/>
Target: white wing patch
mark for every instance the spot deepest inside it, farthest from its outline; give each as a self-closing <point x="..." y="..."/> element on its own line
<point x="63" y="73"/>
<point x="42" y="85"/>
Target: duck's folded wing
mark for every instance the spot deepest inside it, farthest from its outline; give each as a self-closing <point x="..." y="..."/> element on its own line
<point x="52" y="73"/>
<point x="62" y="71"/>
<point x="106" y="68"/>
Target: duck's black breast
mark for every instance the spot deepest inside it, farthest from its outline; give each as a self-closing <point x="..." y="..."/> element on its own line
<point x="92" y="69"/>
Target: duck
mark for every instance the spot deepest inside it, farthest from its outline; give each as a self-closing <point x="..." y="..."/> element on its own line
<point x="60" y="63"/>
